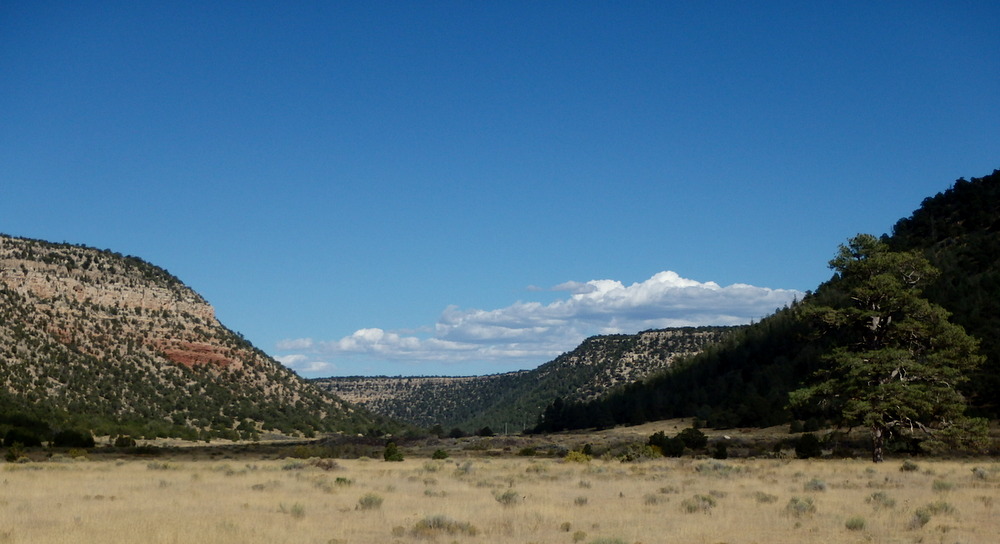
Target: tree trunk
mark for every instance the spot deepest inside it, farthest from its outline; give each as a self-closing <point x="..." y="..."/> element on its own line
<point x="878" y="440"/>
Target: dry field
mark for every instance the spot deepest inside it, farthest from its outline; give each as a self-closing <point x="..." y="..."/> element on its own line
<point x="508" y="500"/>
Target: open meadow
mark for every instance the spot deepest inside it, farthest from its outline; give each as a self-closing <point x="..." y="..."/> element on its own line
<point x="505" y="499"/>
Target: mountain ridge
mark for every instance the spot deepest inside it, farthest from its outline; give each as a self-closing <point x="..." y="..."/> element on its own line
<point x="514" y="399"/>
<point x="95" y="339"/>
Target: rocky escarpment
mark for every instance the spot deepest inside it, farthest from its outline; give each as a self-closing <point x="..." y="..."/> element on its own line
<point x="93" y="335"/>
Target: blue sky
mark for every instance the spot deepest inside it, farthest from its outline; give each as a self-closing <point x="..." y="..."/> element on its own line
<point x="474" y="187"/>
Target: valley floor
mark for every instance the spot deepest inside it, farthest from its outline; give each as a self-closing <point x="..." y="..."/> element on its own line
<point x="498" y="500"/>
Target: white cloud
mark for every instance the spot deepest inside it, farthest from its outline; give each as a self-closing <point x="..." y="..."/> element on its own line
<point x="301" y="363"/>
<point x="533" y="333"/>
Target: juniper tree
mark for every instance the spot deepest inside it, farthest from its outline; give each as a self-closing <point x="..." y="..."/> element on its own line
<point x="898" y="361"/>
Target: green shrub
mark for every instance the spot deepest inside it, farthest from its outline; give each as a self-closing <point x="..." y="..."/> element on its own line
<point x="439" y="454"/>
<point x="576" y="457"/>
<point x="14" y="452"/>
<point x="855" y="523"/>
<point x="638" y="452"/>
<point x="392" y="452"/>
<point x="908" y="466"/>
<point x="693" y="438"/>
<point x="721" y="451"/>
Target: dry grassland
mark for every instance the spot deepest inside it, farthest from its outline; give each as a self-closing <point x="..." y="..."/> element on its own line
<point x="508" y="500"/>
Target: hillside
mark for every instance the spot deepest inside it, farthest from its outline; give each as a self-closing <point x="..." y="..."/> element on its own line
<point x="745" y="380"/>
<point x="514" y="400"/>
<point x="110" y="343"/>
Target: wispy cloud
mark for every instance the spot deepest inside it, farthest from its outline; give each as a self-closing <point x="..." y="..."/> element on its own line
<point x="533" y="333"/>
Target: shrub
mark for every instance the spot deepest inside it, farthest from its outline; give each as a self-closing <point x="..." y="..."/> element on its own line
<point x="815" y="485"/>
<point x="124" y="441"/>
<point x="908" y="466"/>
<point x="638" y="452"/>
<point x="325" y="464"/>
<point x="808" y="446"/>
<point x="439" y="454"/>
<point x="576" y="457"/>
<point x="669" y="447"/>
<point x="799" y="507"/>
<point x="15" y="452"/>
<point x="527" y="452"/>
<point x="764" y="498"/>
<point x="721" y="451"/>
<point x="880" y="500"/>
<point x="485" y="432"/>
<point x="940" y="507"/>
<point x="434" y="525"/>
<point x="698" y="503"/>
<point x="580" y="501"/>
<point x="369" y="501"/>
<point x="716" y="468"/>
<point x="855" y="523"/>
<point x="392" y="452"/>
<point x="920" y="518"/>
<point x="940" y="486"/>
<point x="693" y="438"/>
<point x="508" y="498"/>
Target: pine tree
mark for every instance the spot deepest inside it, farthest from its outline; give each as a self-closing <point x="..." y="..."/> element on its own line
<point x="898" y="361"/>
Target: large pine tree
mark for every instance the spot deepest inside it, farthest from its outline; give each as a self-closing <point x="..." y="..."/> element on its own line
<point x="898" y="361"/>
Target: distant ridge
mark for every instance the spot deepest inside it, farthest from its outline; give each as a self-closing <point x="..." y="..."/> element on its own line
<point x="514" y="400"/>
<point x="113" y="344"/>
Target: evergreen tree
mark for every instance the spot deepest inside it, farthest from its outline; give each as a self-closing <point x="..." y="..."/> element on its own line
<point x="898" y="361"/>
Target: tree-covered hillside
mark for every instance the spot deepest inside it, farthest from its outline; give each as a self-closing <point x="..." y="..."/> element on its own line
<point x="745" y="381"/>
<point x="958" y="231"/>
<point x="110" y="344"/>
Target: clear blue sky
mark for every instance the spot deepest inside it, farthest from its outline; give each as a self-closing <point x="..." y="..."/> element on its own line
<point x="474" y="187"/>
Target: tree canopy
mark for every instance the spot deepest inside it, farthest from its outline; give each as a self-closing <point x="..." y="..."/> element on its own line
<point x="897" y="361"/>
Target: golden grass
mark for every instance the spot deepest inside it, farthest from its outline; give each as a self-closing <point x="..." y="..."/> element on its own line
<point x="473" y="500"/>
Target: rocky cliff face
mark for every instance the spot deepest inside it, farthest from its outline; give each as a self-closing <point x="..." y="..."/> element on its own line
<point x="90" y="334"/>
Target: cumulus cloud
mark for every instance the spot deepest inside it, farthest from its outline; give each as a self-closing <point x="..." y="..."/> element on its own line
<point x="532" y="332"/>
<point x="301" y="363"/>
